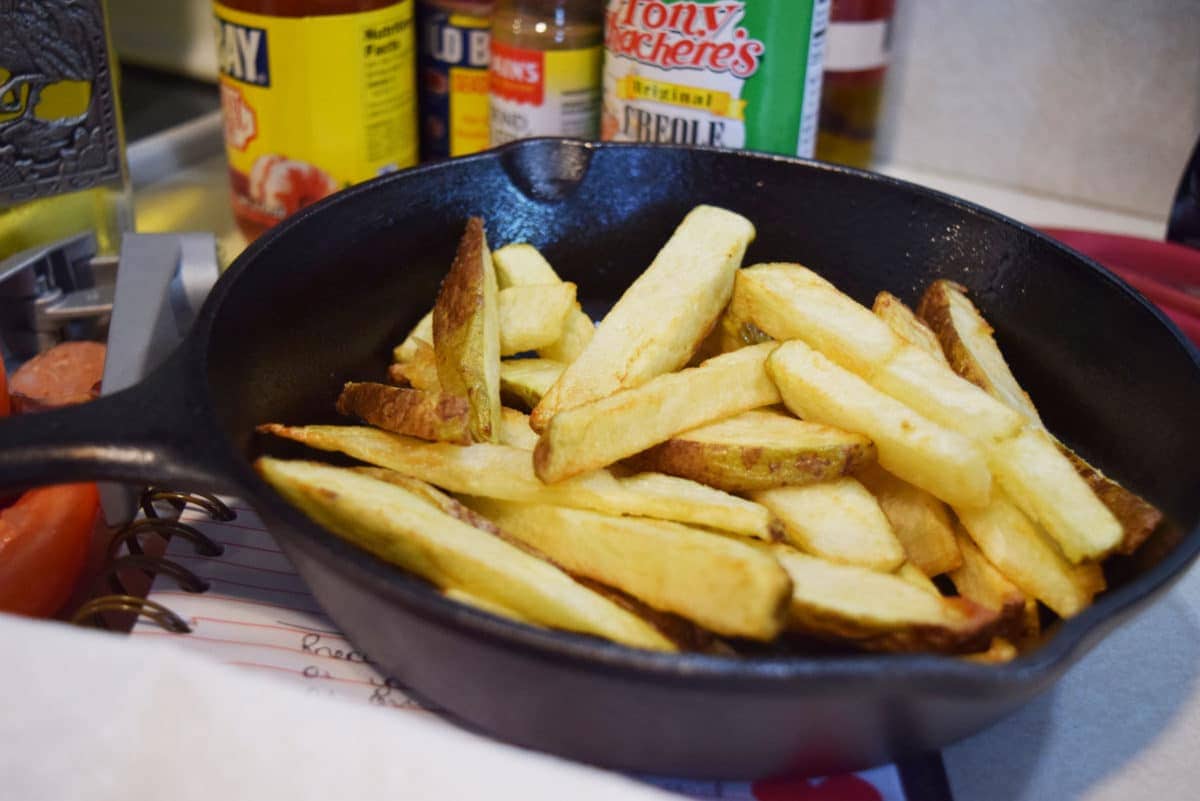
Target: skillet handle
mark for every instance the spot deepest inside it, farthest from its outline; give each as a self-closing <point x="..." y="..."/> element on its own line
<point x="159" y="431"/>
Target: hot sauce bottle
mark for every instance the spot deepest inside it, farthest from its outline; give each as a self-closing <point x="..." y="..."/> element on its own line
<point x="316" y="95"/>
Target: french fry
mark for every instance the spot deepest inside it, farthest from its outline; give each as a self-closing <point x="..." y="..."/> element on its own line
<point x="788" y="301"/>
<point x="907" y="325"/>
<point x="878" y="611"/>
<point x="604" y="431"/>
<point x="999" y="652"/>
<point x="522" y="265"/>
<point x="420" y="371"/>
<point x="515" y="430"/>
<point x="499" y="471"/>
<point x="1027" y="558"/>
<point x="466" y="332"/>
<point x="967" y="338"/>
<point x="485" y="605"/>
<point x="423" y="331"/>
<point x="837" y="520"/>
<point x="923" y="453"/>
<point x="722" y="584"/>
<point x="758" y="450"/>
<point x="922" y="522"/>
<point x="427" y="415"/>
<point x="663" y="316"/>
<point x="409" y="531"/>
<point x="533" y="317"/>
<point x="1042" y="482"/>
<point x="913" y="575"/>
<point x="978" y="579"/>
<point x="526" y="380"/>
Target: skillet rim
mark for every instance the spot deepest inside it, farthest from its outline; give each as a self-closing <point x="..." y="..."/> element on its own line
<point x="1070" y="640"/>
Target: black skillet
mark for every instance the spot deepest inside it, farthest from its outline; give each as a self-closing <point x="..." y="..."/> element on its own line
<point x="323" y="297"/>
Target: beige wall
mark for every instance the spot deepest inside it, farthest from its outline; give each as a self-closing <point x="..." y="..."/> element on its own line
<point x="1091" y="100"/>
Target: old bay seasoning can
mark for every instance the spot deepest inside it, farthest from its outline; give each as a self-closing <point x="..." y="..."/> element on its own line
<point x="720" y="73"/>
<point x="454" y="37"/>
<point x="316" y="95"/>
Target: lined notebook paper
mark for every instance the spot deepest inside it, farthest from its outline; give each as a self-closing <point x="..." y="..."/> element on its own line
<point x="259" y="616"/>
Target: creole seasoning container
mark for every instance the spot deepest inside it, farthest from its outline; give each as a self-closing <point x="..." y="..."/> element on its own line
<point x="722" y="73"/>
<point x="316" y="95"/>
<point x="455" y="42"/>
<point x="545" y="69"/>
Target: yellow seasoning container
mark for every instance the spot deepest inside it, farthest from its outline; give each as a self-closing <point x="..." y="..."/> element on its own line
<point x="316" y="95"/>
<point x="454" y="37"/>
<point x="547" y="57"/>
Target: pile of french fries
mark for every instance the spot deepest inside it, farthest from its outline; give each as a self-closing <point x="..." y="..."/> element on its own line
<point x="732" y="455"/>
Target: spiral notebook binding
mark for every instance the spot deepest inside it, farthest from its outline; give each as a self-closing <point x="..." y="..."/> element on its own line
<point x="161" y="508"/>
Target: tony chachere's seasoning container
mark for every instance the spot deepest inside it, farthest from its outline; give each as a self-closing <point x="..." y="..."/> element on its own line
<point x="455" y="41"/>
<point x="316" y="95"/>
<point x="545" y="69"/>
<point x="721" y="73"/>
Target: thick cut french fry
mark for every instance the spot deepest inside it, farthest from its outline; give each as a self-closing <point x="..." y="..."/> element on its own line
<point x="411" y="532"/>
<point x="837" y="520"/>
<point x="913" y="575"/>
<point x="788" y="301"/>
<point x="1042" y="482"/>
<point x="662" y="318"/>
<point x="922" y="523"/>
<point x="724" y="585"/>
<point x="522" y="265"/>
<point x="921" y="452"/>
<point x="609" y="429"/>
<point x="515" y="430"/>
<point x="978" y="579"/>
<point x="526" y="380"/>
<point x="1016" y="547"/>
<point x="967" y="339"/>
<point x="427" y="415"/>
<point x="466" y="332"/>
<point x="999" y="652"/>
<point x="485" y="605"/>
<point x="423" y="331"/>
<point x="967" y="342"/>
<point x="420" y="371"/>
<point x="759" y="450"/>
<point x="499" y="471"/>
<point x="533" y="317"/>
<point x="879" y="611"/>
<point x="905" y="324"/>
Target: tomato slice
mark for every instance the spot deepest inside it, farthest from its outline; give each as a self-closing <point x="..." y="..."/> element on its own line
<point x="44" y="542"/>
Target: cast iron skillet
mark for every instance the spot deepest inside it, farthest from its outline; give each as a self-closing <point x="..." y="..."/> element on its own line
<point x="323" y="297"/>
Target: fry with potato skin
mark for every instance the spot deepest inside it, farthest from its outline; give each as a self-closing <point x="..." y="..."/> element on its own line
<point x="409" y="531"/>
<point x="608" y="430"/>
<point x="837" y="520"/>
<point x="905" y="323"/>
<point x="504" y="472"/>
<point x="878" y="611"/>
<point x="466" y="332"/>
<point x="720" y="583"/>
<point x="662" y="317"/>
<point x="758" y="450"/>
<point x="923" y="453"/>
<point x="427" y="415"/>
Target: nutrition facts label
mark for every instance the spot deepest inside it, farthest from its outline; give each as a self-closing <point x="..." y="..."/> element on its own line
<point x="388" y="75"/>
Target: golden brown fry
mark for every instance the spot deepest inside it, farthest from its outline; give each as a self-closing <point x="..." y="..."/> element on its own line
<point x="921" y="522"/>
<point x="663" y="316"/>
<point x="758" y="450"/>
<point x="923" y="453"/>
<point x="522" y="265"/>
<point x="427" y="415"/>
<point x="879" y="611"/>
<point x="907" y="325"/>
<point x="420" y="371"/>
<point x="604" y="431"/>
<point x="721" y="583"/>
<point x="423" y="331"/>
<point x="526" y="380"/>
<point x="836" y="520"/>
<point x="978" y="579"/>
<point x="533" y="317"/>
<point x="913" y="575"/>
<point x="504" y="472"/>
<point x="409" y="531"/>
<point x="515" y="430"/>
<point x="999" y="652"/>
<point x="1137" y="516"/>
<point x="466" y="332"/>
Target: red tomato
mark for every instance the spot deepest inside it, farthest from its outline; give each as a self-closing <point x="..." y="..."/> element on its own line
<point x="44" y="541"/>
